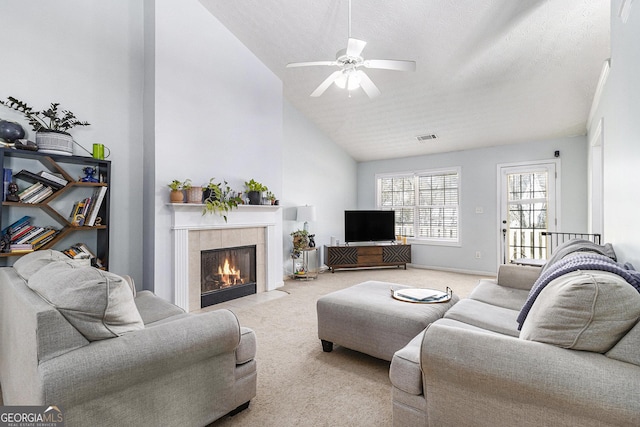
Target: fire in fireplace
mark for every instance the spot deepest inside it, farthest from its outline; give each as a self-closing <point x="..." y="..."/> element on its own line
<point x="227" y="274"/>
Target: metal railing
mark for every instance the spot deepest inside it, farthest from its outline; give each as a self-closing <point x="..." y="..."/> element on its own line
<point x="555" y="238"/>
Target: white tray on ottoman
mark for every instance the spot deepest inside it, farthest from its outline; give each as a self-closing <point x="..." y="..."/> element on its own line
<point x="366" y="318"/>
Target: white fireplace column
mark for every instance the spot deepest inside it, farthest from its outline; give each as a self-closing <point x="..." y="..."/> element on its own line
<point x="188" y="217"/>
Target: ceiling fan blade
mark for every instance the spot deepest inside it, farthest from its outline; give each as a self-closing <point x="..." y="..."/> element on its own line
<point x="355" y="47"/>
<point x="325" y="84"/>
<point x="310" y="64"/>
<point x="367" y="85"/>
<point x="390" y="64"/>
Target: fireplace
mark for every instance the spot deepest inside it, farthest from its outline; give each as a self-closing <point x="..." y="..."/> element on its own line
<point x="227" y="274"/>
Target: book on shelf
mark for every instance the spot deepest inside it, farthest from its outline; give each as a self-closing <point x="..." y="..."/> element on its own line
<point x="29" y="235"/>
<point x="76" y="218"/>
<point x="21" y="232"/>
<point x="79" y="250"/>
<point x="97" y="199"/>
<point x="87" y="205"/>
<point x="11" y="228"/>
<point x="46" y="240"/>
<point x="55" y="177"/>
<point x="33" y="178"/>
<point x="24" y="248"/>
<point x="39" y="195"/>
<point x="48" y="231"/>
<point x="32" y="189"/>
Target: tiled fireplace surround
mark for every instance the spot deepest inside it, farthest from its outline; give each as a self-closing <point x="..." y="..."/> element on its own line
<point x="248" y="225"/>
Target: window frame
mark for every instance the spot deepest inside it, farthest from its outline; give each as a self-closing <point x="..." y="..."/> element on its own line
<point x="415" y="175"/>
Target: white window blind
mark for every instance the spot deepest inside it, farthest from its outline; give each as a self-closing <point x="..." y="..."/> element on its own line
<point x="426" y="203"/>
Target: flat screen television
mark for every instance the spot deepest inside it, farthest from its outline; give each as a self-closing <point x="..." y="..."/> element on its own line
<point x="369" y="226"/>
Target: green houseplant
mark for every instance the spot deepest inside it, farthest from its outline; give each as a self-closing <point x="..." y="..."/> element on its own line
<point x="220" y="199"/>
<point x="254" y="191"/>
<point x="176" y="195"/>
<point x="300" y="241"/>
<point x="51" y="125"/>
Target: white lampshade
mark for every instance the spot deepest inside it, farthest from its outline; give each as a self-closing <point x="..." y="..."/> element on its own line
<point x="306" y="214"/>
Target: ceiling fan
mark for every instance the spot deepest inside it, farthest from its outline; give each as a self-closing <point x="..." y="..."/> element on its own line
<point x="349" y="61"/>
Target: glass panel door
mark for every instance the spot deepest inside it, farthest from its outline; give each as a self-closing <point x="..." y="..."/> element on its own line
<point x="528" y="210"/>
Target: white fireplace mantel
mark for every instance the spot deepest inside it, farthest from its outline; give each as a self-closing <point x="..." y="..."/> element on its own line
<point x="188" y="217"/>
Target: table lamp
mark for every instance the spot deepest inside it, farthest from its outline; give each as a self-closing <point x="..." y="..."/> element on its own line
<point x="305" y="214"/>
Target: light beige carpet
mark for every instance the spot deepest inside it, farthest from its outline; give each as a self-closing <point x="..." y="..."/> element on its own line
<point x="299" y="384"/>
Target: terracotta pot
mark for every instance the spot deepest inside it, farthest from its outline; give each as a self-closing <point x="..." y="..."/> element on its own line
<point x="176" y="196"/>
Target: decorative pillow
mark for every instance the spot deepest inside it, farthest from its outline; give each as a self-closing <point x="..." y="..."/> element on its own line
<point x="583" y="310"/>
<point x="97" y="303"/>
<point x="28" y="264"/>
<point x="578" y="245"/>
<point x="131" y="283"/>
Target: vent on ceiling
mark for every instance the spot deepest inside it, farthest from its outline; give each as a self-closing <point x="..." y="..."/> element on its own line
<point x="423" y="138"/>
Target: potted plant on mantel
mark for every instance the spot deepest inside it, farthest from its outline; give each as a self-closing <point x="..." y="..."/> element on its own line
<point x="254" y="191"/>
<point x="176" y="195"/>
<point x="220" y="199"/>
<point x="50" y="125"/>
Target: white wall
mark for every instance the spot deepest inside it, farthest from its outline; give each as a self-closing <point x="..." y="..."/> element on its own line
<point x="619" y="107"/>
<point x="218" y="114"/>
<point x="316" y="172"/>
<point x="479" y="187"/>
<point x="88" y="56"/>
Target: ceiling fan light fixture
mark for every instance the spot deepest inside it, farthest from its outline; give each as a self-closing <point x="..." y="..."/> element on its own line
<point x="349" y="80"/>
<point x="349" y="60"/>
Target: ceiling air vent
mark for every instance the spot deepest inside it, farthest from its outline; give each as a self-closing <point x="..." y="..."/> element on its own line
<point x="423" y="138"/>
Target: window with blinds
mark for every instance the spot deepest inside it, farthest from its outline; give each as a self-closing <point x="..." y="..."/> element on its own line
<point x="426" y="203"/>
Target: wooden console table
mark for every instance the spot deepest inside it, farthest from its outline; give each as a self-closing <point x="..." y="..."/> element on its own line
<point x="367" y="256"/>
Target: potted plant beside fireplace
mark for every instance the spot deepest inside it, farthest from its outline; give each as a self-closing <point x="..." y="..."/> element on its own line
<point x="51" y="126"/>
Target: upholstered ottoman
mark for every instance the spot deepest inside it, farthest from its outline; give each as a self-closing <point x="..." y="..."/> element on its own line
<point x="366" y="318"/>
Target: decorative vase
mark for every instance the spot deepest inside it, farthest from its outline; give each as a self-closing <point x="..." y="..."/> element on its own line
<point x="255" y="197"/>
<point x="176" y="196"/>
<point x="55" y="143"/>
<point x="194" y="195"/>
<point x="10" y="131"/>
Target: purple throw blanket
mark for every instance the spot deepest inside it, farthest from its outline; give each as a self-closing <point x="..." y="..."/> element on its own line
<point x="583" y="261"/>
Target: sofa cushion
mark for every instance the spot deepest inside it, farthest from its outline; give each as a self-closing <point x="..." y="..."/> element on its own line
<point x="28" y="264"/>
<point x="583" y="310"/>
<point x="485" y="316"/>
<point x="405" y="372"/>
<point x="97" y="303"/>
<point x="153" y="309"/>
<point x="582" y="246"/>
<point x="580" y="262"/>
<point x="626" y="350"/>
<point x="503" y="296"/>
<point x="246" y="350"/>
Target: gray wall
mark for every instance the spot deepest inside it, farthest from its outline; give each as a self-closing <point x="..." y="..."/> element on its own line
<point x="316" y="172"/>
<point x="88" y="56"/>
<point x="217" y="114"/>
<point x="619" y="107"/>
<point x="479" y="189"/>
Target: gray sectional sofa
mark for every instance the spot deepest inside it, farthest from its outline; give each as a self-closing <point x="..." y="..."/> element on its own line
<point x="573" y="360"/>
<point x="82" y="339"/>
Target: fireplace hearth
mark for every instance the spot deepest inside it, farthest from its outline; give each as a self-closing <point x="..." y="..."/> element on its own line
<point x="227" y="274"/>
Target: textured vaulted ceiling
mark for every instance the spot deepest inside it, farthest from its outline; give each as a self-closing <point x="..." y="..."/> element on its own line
<point x="489" y="72"/>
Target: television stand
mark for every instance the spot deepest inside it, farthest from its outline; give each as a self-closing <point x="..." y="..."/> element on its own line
<point x="367" y="256"/>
